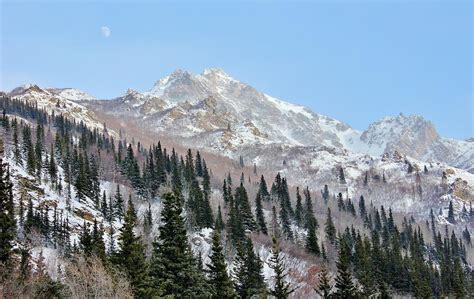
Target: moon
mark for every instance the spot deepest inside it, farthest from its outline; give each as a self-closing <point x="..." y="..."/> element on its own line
<point x="105" y="31"/>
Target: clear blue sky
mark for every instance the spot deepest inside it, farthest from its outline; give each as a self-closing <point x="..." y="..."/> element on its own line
<point x="354" y="61"/>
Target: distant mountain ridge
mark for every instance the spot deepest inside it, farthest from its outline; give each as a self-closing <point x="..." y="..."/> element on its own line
<point x="217" y="112"/>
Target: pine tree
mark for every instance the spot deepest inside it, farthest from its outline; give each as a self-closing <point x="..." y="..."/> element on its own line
<point x="118" y="204"/>
<point x="16" y="147"/>
<point x="342" y="177"/>
<point x="345" y="288"/>
<point x="362" y="208"/>
<point x="299" y="212"/>
<point x="330" y="229"/>
<point x="309" y="218"/>
<point x="131" y="255"/>
<point x="244" y="209"/>
<point x="98" y="245"/>
<point x="7" y="216"/>
<point x="261" y="225"/>
<point x="325" y="193"/>
<point x="248" y="278"/>
<point x="85" y="240"/>
<point x="103" y="206"/>
<point x="281" y="288"/>
<point x="451" y="213"/>
<point x="285" y="222"/>
<point x="198" y="165"/>
<point x="263" y="190"/>
<point x="219" y="224"/>
<point x="174" y="270"/>
<point x="324" y="288"/>
<point x="218" y="279"/>
<point x="312" y="241"/>
<point x="52" y="168"/>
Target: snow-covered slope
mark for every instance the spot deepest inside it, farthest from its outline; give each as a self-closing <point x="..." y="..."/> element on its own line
<point x="61" y="101"/>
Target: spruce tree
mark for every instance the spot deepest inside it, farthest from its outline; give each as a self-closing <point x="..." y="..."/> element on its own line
<point x="244" y="209"/>
<point x="362" y="208"/>
<point x="309" y="218"/>
<point x="312" y="241"/>
<point x="330" y="229"/>
<point x="219" y="224"/>
<point x="261" y="225"/>
<point x="218" y="279"/>
<point x="451" y="213"/>
<point x="345" y="288"/>
<point x="7" y="216"/>
<point x="131" y="255"/>
<point x="248" y="278"/>
<point x="118" y="204"/>
<point x="98" y="245"/>
<point x="263" y="190"/>
<point x="342" y="177"/>
<point x="174" y="270"/>
<point x="324" y="288"/>
<point x="299" y="212"/>
<point x="281" y="289"/>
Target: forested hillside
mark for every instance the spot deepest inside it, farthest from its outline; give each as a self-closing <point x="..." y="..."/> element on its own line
<point x="88" y="212"/>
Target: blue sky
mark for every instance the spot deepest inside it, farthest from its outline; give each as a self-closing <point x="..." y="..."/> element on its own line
<point x="354" y="61"/>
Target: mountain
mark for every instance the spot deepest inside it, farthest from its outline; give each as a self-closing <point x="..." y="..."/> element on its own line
<point x="417" y="138"/>
<point x="217" y="112"/>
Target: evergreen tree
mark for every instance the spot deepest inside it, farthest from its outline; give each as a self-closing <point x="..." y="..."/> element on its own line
<point x="131" y="255"/>
<point x="219" y="224"/>
<point x="103" y="206"/>
<point x="362" y="208"/>
<point x="330" y="229"/>
<point x="324" y="288"/>
<point x="309" y="218"/>
<point x="312" y="241"/>
<point x="174" y="270"/>
<point x="451" y="213"/>
<point x="325" y="193"/>
<point x="263" y="190"/>
<point x="261" y="225"/>
<point x="248" y="278"/>
<point x="7" y="216"/>
<point x="118" y="204"/>
<point x="244" y="209"/>
<point x="342" y="177"/>
<point x="52" y="168"/>
<point x="16" y="147"/>
<point x="285" y="222"/>
<point x="299" y="212"/>
<point x="198" y="165"/>
<point x="85" y="240"/>
<point x="345" y="288"/>
<point x="218" y="279"/>
<point x="98" y="245"/>
<point x="281" y="288"/>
